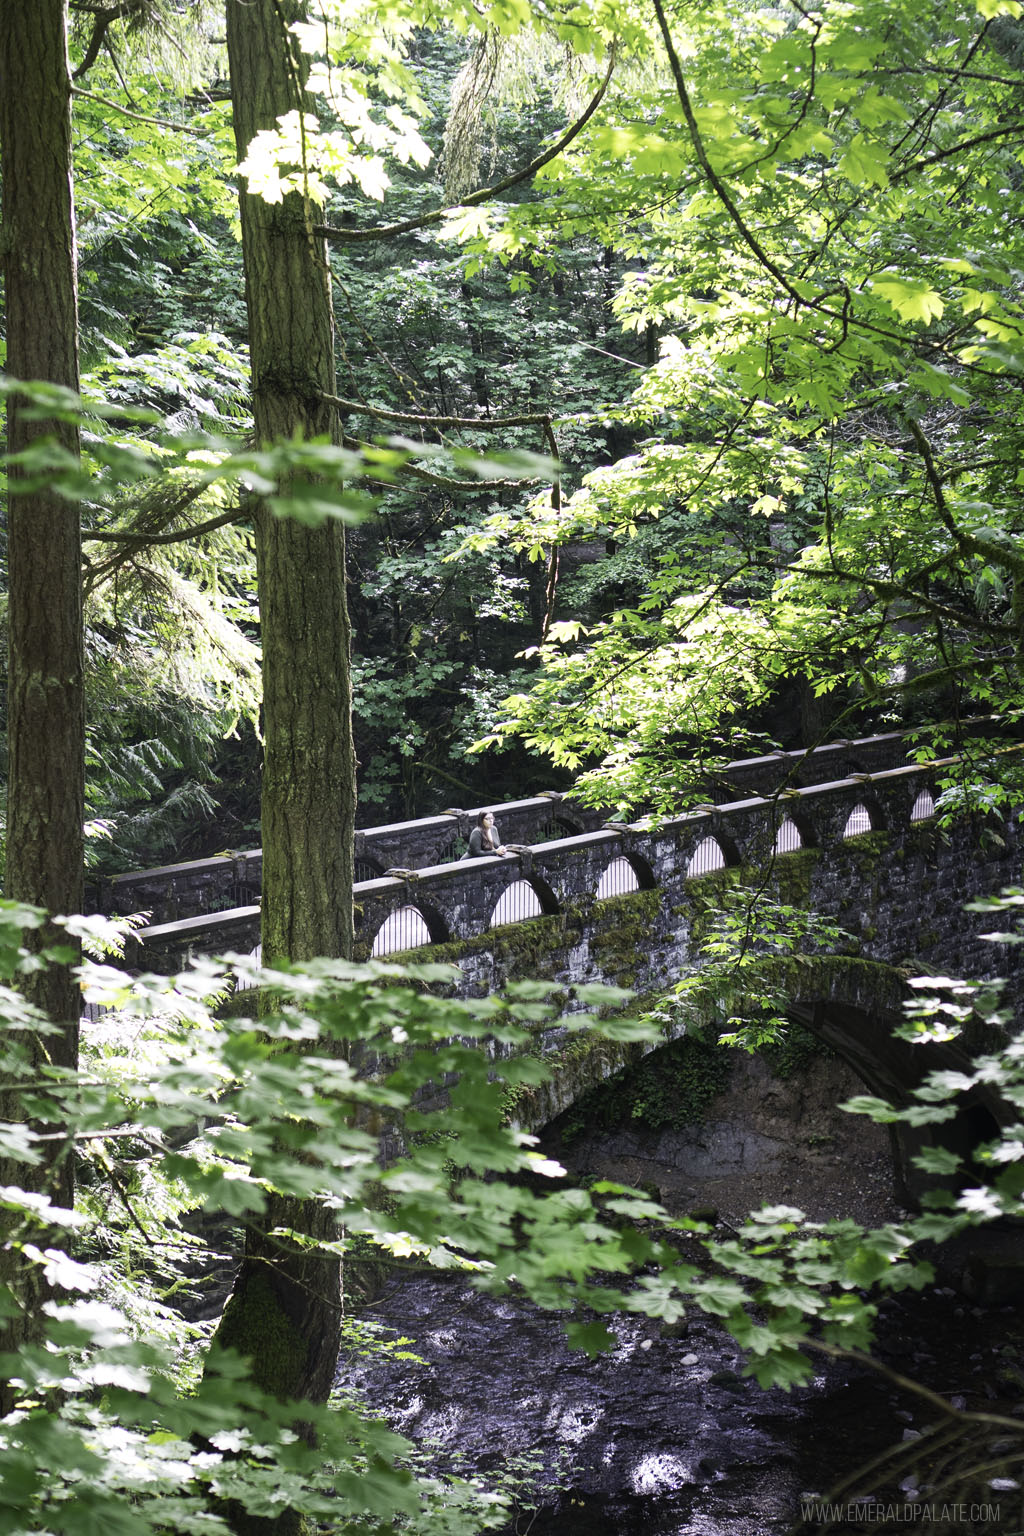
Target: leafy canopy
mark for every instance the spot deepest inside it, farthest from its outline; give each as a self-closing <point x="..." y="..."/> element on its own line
<point x="818" y="203"/>
<point x="173" y="1112"/>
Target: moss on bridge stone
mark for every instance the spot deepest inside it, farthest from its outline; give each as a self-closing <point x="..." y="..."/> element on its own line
<point x="925" y="837"/>
<point x="621" y="931"/>
<point x="791" y="876"/>
<point x="582" y="1062"/>
<point x="529" y="948"/>
<point x="703" y="887"/>
<point x="868" y="984"/>
<point x="622" y="934"/>
<point x="867" y="848"/>
<point x="690" y="1071"/>
<point x="789" y="880"/>
<point x="871" y="986"/>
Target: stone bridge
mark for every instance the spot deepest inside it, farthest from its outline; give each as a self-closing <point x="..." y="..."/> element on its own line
<point x="847" y="832"/>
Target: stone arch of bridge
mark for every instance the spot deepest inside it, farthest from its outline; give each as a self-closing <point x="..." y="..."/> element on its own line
<point x="712" y="851"/>
<point x="868" y="806"/>
<point x="627" y="871"/>
<point x="409" y="925"/>
<point x="890" y="1068"/>
<point x="853" y="1006"/>
<point x="793" y="821"/>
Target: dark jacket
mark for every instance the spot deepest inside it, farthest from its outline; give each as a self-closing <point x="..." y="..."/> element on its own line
<point x="478" y="849"/>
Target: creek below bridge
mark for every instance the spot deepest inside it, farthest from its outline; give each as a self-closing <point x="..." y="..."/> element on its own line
<point x="664" y="1436"/>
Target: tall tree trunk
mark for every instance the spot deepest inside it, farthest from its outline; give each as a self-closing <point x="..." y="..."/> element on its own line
<point x="308" y="812"/>
<point x="284" y="1311"/>
<point x="46" y="693"/>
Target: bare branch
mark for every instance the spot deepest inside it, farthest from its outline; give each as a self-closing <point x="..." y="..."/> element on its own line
<point x="445" y="482"/>
<point x="414" y="419"/>
<point x="138" y="117"/>
<point x="483" y="195"/>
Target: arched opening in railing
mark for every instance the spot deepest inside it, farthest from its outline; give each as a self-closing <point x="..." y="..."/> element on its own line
<point x="853" y="765"/>
<point x="367" y="869"/>
<point x="923" y="807"/>
<point x="405" y="928"/>
<point x="557" y="827"/>
<point x="522" y="900"/>
<point x="617" y="880"/>
<point x="626" y="873"/>
<point x="245" y="983"/>
<point x="787" y="838"/>
<point x="858" y="821"/>
<point x="708" y="856"/>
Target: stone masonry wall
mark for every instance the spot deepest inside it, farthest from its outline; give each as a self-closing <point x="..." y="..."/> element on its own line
<point x="230" y="880"/>
<point x="899" y="889"/>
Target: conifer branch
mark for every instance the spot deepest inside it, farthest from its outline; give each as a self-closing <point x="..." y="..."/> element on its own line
<point x="178" y="536"/>
<point x="103" y="18"/>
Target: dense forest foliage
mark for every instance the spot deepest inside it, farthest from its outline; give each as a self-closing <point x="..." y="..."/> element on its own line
<point x="585" y="391"/>
<point x="172" y="628"/>
<point x="772" y="328"/>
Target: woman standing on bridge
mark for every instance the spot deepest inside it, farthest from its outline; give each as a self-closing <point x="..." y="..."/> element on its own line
<point x="485" y="839"/>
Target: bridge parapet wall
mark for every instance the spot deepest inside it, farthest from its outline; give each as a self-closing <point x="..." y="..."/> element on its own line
<point x="898" y="887"/>
<point x="834" y="760"/>
<point x="230" y="880"/>
<point x="870" y="856"/>
<point x="225" y="881"/>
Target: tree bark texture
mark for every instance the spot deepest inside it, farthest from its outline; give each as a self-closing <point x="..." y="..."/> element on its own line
<point x="308" y="810"/>
<point x="46" y="692"/>
<point x="46" y="686"/>
<point x="284" y="1312"/>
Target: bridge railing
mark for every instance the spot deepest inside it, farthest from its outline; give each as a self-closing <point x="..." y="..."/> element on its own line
<point x="227" y="881"/>
<point x="445" y="903"/>
<point x="451" y="902"/>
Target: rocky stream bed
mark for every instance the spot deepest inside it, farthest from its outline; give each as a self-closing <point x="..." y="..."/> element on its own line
<point x="665" y="1436"/>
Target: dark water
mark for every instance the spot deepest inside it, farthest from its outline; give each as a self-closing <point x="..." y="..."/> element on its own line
<point x="661" y="1437"/>
<point x="664" y="1435"/>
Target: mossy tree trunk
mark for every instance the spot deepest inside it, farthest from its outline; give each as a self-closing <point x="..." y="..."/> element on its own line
<point x="284" y="1312"/>
<point x="46" y="687"/>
